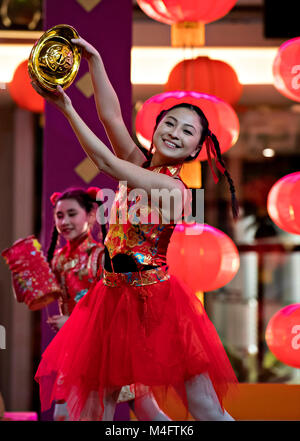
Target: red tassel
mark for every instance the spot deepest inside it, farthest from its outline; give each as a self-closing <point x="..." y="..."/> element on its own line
<point x="220" y="166"/>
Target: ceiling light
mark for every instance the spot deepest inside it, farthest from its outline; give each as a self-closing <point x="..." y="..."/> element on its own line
<point x="11" y="55"/>
<point x="268" y="153"/>
<point x="152" y="65"/>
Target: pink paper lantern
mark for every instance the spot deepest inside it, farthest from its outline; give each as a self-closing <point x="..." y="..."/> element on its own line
<point x="283" y="335"/>
<point x="286" y="69"/>
<point x="176" y="11"/>
<point x="223" y="120"/>
<point x="284" y="203"/>
<point x="202" y="256"/>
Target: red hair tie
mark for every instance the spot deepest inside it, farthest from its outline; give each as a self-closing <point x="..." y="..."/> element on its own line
<point x="54" y="197"/>
<point x="93" y="192"/>
<point x="211" y="151"/>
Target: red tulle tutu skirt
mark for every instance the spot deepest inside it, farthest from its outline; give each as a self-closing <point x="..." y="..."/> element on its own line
<point x="152" y="337"/>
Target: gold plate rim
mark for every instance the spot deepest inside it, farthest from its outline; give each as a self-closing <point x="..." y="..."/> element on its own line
<point x="47" y="35"/>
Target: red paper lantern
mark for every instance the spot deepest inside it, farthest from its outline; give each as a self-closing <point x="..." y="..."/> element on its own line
<point x="283" y="335"/>
<point x="176" y="11"/>
<point x="22" y="92"/>
<point x="284" y="203"/>
<point x="223" y="120"/>
<point x="202" y="256"/>
<point x="33" y="280"/>
<point x="187" y="17"/>
<point x="286" y="69"/>
<point x="204" y="75"/>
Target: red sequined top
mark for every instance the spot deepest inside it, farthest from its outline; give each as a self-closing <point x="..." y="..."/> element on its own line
<point x="76" y="266"/>
<point x="147" y="242"/>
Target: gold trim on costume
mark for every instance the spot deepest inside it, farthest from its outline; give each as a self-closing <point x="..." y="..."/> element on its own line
<point x="139" y="278"/>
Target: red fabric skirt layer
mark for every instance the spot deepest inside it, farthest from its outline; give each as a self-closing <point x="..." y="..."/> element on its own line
<point x="155" y="335"/>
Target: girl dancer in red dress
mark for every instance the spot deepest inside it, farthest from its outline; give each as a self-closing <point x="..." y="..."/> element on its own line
<point x="78" y="263"/>
<point x="138" y="325"/>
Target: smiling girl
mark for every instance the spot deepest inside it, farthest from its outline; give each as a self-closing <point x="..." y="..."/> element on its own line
<point x="138" y="325"/>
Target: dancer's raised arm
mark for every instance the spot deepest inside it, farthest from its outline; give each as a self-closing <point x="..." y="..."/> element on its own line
<point x="108" y="107"/>
<point x="134" y="175"/>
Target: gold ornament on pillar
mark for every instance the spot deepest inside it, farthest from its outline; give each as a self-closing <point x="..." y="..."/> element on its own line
<point x="88" y="5"/>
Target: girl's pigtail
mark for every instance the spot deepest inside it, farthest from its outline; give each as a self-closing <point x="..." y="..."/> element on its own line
<point x="221" y="166"/>
<point x="51" y="249"/>
<point x="103" y="224"/>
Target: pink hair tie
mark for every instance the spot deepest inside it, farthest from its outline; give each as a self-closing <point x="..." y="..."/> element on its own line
<point x="54" y="197"/>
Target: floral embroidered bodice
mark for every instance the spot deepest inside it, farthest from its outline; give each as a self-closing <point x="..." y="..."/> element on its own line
<point x="131" y="231"/>
<point x="76" y="265"/>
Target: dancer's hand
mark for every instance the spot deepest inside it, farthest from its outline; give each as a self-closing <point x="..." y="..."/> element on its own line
<point x="88" y="51"/>
<point x="56" y="322"/>
<point x="59" y="98"/>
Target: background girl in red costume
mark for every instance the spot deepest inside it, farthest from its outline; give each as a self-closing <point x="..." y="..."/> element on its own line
<point x="76" y="266"/>
<point x="138" y="325"/>
<point x="78" y="263"/>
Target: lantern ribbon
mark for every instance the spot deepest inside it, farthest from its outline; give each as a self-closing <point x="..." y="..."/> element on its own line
<point x="211" y="151"/>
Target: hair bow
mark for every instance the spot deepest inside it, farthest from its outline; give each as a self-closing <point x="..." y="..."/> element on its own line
<point x="93" y="192"/>
<point x="54" y="197"/>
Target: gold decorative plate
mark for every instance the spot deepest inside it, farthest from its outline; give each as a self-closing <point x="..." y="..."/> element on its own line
<point x="54" y="60"/>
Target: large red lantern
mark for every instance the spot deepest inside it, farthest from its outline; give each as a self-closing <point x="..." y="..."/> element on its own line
<point x="223" y="120"/>
<point x="202" y="256"/>
<point x="286" y="69"/>
<point x="178" y="11"/>
<point x="205" y="75"/>
<point x="284" y="203"/>
<point x="22" y="92"/>
<point x="283" y="335"/>
<point x="187" y="17"/>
